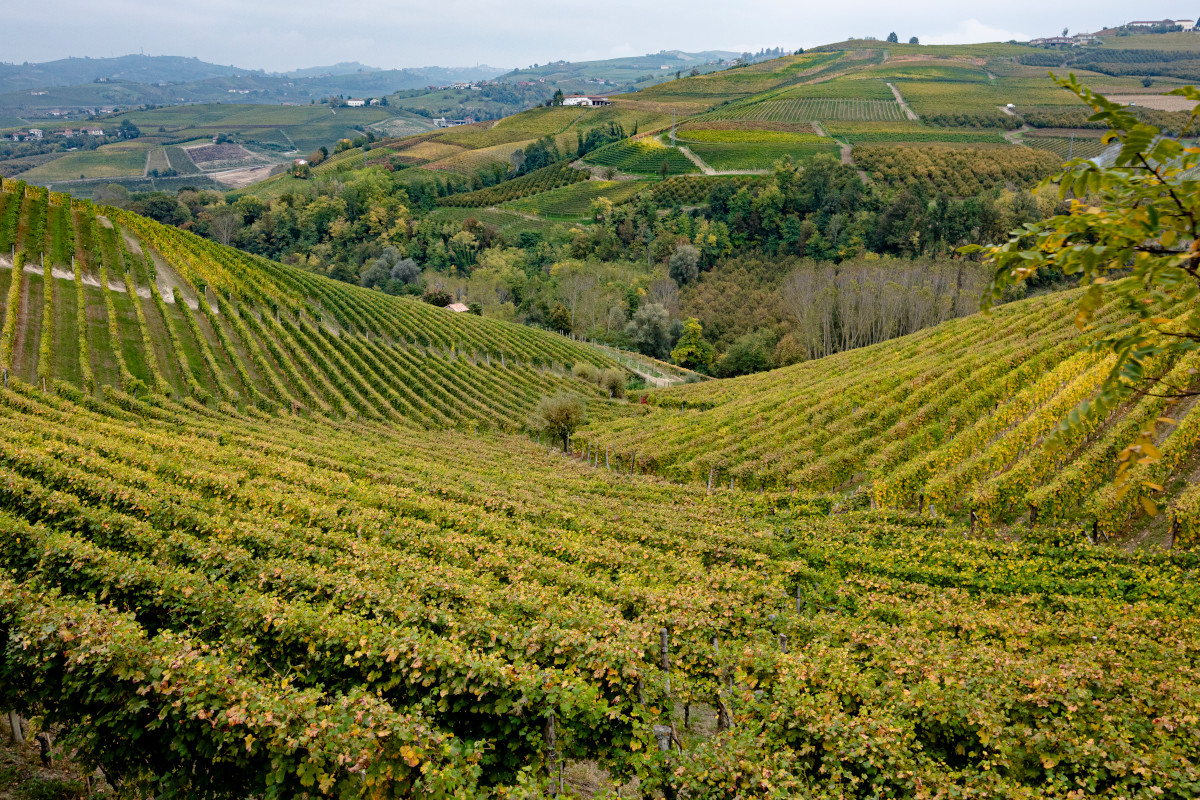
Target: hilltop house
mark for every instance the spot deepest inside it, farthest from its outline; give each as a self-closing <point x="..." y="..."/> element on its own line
<point x="1053" y="41"/>
<point x="586" y="100"/>
<point x="355" y="102"/>
<point x="1184" y="24"/>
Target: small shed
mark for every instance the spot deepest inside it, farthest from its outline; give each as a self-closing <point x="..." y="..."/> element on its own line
<point x="458" y="308"/>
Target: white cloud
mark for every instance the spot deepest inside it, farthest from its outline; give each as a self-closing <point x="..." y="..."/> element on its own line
<point x="971" y="31"/>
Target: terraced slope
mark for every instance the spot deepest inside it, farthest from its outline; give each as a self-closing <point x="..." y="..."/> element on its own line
<point x="947" y="420"/>
<point x="110" y="299"/>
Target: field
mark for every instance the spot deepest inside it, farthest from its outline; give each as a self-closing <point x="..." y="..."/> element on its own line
<point x="575" y="201"/>
<point x="105" y="162"/>
<point x="304" y="127"/>
<point x="272" y="535"/>
<point x="1066" y="147"/>
<point x="960" y="170"/>
<point x="810" y="109"/>
<point x="880" y="133"/>
<point x="542" y="180"/>
<point x="760" y="156"/>
<point x="642" y="157"/>
<point x="473" y="161"/>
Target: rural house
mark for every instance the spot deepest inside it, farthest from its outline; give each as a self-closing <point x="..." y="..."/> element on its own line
<point x="354" y="102"/>
<point x="586" y="100"/>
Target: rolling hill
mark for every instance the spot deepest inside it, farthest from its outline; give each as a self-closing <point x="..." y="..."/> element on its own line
<point x="263" y="533"/>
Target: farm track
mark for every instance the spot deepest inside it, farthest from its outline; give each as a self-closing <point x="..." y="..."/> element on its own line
<point x="708" y="170"/>
<point x="1014" y="137"/>
<point x="904" y="105"/>
<point x="847" y="152"/>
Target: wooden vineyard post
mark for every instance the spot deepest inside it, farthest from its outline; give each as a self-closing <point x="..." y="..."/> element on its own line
<point x="551" y="751"/>
<point x="607" y="465"/>
<point x="664" y="650"/>
<point x="783" y="643"/>
<point x="710" y="477"/>
<point x="723" y="717"/>
<point x="799" y="602"/>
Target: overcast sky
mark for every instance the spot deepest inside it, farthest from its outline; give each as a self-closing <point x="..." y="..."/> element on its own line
<point x="282" y="35"/>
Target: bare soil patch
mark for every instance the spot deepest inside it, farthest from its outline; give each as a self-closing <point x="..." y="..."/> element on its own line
<point x="207" y="154"/>
<point x="241" y="178"/>
<point x="1160" y="102"/>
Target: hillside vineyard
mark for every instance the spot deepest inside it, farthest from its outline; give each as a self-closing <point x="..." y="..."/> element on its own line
<point x="265" y="534"/>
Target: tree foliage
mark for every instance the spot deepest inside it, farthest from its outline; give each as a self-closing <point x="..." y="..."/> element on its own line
<point x="559" y="416"/>
<point x="692" y="351"/>
<point x="1132" y="237"/>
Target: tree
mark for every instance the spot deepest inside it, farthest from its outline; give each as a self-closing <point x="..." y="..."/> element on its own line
<point x="914" y="40"/>
<point x="749" y="354"/>
<point x="438" y="297"/>
<point x="1134" y="241"/>
<point x="692" y="351"/>
<point x="893" y="38"/>
<point x="1065" y="32"/>
<point x="684" y="264"/>
<point x="225" y="222"/>
<point x="650" y="330"/>
<point x="613" y="379"/>
<point x="664" y="169"/>
<point x="406" y="271"/>
<point x="560" y="319"/>
<point x="557" y="100"/>
<point x="559" y="416"/>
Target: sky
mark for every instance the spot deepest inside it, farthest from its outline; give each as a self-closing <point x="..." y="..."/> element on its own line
<point x="279" y="35"/>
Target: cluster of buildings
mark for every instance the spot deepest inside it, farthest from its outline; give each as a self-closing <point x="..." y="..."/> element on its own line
<point x="1188" y="25"/>
<point x="442" y="122"/>
<point x="37" y="134"/>
<point x="1083" y="39"/>
<point x="358" y="102"/>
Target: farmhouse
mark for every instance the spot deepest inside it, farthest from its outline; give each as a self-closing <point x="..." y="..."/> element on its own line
<point x="93" y="131"/>
<point x="354" y="102"/>
<point x="586" y="100"/>
<point x="35" y="133"/>
<point x="1185" y="24"/>
<point x="1053" y="41"/>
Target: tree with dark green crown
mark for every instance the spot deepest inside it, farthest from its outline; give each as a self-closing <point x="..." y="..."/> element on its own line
<point x="893" y="38"/>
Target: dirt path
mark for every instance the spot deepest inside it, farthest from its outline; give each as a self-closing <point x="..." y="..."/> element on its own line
<point x="900" y="99"/>
<point x="847" y="152"/>
<point x="695" y="159"/>
<point x="1007" y="110"/>
<point x="1014" y="137"/>
<point x="707" y="170"/>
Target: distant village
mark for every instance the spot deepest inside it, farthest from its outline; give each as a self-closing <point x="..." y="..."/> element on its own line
<point x="1137" y="26"/>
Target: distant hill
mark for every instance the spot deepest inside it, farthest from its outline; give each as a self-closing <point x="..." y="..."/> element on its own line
<point x="135" y="68"/>
<point x="340" y="68"/>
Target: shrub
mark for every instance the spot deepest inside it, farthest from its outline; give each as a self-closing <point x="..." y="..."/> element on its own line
<point x="559" y="416"/>
<point x="613" y="379"/>
<point x="586" y="372"/>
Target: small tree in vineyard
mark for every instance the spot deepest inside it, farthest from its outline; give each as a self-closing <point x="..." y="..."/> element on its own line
<point x="559" y="416"/>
